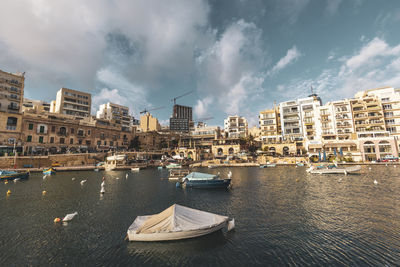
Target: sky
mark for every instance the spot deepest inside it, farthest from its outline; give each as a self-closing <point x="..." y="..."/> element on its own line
<point x="237" y="56"/>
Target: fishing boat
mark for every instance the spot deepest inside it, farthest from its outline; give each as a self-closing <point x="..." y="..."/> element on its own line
<point x="334" y="170"/>
<point x="177" y="222"/>
<point x="205" y="180"/>
<point x="49" y="171"/>
<point x="135" y="169"/>
<point x="268" y="165"/>
<point x="174" y="166"/>
<point x="12" y="175"/>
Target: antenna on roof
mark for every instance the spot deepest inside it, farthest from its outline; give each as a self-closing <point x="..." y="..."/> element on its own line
<point x="312" y="90"/>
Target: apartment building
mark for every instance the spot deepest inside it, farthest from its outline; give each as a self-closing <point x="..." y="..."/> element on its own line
<point x="72" y="102"/>
<point x="35" y="106"/>
<point x="269" y="122"/>
<point x="181" y="120"/>
<point x="59" y="133"/>
<point x="390" y="100"/>
<point x="11" y="91"/>
<point x="236" y="127"/>
<point x="148" y="123"/>
<point x="118" y="114"/>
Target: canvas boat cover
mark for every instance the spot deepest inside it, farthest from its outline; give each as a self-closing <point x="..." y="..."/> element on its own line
<point x="200" y="176"/>
<point x="176" y="218"/>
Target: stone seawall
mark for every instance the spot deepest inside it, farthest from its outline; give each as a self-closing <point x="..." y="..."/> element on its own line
<point x="65" y="160"/>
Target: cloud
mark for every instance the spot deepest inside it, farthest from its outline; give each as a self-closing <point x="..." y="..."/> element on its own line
<point x="231" y="69"/>
<point x="291" y="56"/>
<point x="201" y="108"/>
<point x="332" y="6"/>
<point x="375" y="64"/>
<point x="124" y="92"/>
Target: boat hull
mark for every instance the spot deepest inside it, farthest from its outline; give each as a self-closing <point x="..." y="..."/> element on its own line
<point x="267" y="166"/>
<point x="175" y="235"/>
<point x="215" y="183"/>
<point x="13" y="176"/>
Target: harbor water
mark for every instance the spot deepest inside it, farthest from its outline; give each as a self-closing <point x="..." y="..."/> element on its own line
<point x="283" y="215"/>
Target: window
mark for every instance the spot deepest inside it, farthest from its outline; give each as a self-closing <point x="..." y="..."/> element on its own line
<point x="111" y="143"/>
<point x="30" y="126"/>
<point x="105" y="143"/>
<point x="41" y="130"/>
<point x="80" y="142"/>
<point x="41" y="139"/>
<point x="51" y="139"/>
<point x="62" y="140"/>
<point x="98" y="143"/>
<point x="71" y="141"/>
<point x="29" y="138"/>
<point x="88" y="142"/>
<point x="72" y="130"/>
<point x="11" y="123"/>
<point x="88" y="132"/>
<point x="53" y="129"/>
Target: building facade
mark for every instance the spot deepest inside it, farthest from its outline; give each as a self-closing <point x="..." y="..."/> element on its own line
<point x="236" y="127"/>
<point x="116" y="113"/>
<point x="11" y="91"/>
<point x="148" y="123"/>
<point x="182" y="119"/>
<point x="72" y="102"/>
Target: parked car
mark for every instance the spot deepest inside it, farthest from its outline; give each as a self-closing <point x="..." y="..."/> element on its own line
<point x="390" y="158"/>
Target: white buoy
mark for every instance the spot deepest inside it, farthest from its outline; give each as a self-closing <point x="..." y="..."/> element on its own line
<point x="44" y="177"/>
<point x="117" y="178"/>
<point x="369" y="168"/>
<point x="375" y="182"/>
<point x="73" y="178"/>
<point x="83" y="181"/>
<point x="126" y="176"/>
<point x="340" y="180"/>
<point x="69" y="217"/>
<point x="231" y="225"/>
<point x="102" y="190"/>
<point x="395" y="166"/>
<point x="103" y="184"/>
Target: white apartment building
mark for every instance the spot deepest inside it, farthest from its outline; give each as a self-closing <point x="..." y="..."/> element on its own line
<point x="116" y="113"/>
<point x="72" y="102"/>
<point x="236" y="126"/>
<point x="298" y="118"/>
<point x="11" y="91"/>
<point x="390" y="99"/>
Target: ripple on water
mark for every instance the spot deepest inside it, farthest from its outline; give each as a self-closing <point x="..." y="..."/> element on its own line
<point x="283" y="216"/>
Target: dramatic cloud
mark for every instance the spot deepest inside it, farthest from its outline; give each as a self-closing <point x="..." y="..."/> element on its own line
<point x="230" y="70"/>
<point x="291" y="56"/>
<point x="201" y="108"/>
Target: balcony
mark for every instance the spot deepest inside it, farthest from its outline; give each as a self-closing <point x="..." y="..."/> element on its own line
<point x="62" y="133"/>
<point x="11" y="127"/>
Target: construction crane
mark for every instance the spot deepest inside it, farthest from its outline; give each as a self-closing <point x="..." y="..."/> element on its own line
<point x="204" y="119"/>
<point x="147" y="110"/>
<point x="185" y="94"/>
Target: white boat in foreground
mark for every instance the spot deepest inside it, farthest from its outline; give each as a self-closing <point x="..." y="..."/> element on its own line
<point x="335" y="170"/>
<point x="177" y="222"/>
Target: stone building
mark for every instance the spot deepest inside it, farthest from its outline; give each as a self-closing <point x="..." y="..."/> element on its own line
<point x="72" y="102"/>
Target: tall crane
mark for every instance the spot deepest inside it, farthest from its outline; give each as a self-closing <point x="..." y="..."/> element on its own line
<point x="147" y="110"/>
<point x="185" y="94"/>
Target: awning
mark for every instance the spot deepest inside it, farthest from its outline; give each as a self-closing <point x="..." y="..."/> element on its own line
<point x="340" y="144"/>
<point x="312" y="146"/>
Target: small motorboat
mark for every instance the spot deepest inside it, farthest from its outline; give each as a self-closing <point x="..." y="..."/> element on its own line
<point x="175" y="223"/>
<point x="135" y="169"/>
<point x="334" y="170"/>
<point x="174" y="166"/>
<point x="268" y="165"/>
<point x="49" y="171"/>
<point x="212" y="166"/>
<point x="205" y="180"/>
<point x="299" y="164"/>
<point x="12" y="175"/>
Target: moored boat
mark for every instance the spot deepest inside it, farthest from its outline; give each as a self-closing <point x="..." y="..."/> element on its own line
<point x="299" y="164"/>
<point x="205" y="180"/>
<point x="175" y="223"/>
<point x="135" y="169"/>
<point x="177" y="174"/>
<point x="49" y="171"/>
<point x="174" y="166"/>
<point x="13" y="175"/>
<point x="335" y="170"/>
<point x="268" y="165"/>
